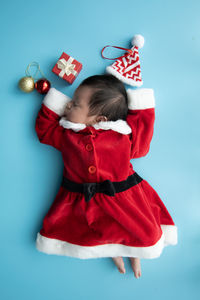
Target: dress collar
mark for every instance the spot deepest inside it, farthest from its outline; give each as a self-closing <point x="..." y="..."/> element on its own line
<point x="120" y="126"/>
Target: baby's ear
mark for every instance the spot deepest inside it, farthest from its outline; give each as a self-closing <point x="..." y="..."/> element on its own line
<point x="102" y="118"/>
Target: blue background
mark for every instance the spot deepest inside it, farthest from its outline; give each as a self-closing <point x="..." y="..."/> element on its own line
<point x="31" y="172"/>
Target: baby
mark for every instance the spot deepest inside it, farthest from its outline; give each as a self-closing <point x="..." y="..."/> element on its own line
<point x="103" y="207"/>
<point x="93" y="102"/>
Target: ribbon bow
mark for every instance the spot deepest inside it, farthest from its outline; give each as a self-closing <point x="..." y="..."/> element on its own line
<point x="66" y="67"/>
<point x="90" y="189"/>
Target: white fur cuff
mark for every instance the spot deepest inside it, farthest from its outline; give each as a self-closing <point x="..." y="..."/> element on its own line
<point x="140" y="98"/>
<point x="56" y="101"/>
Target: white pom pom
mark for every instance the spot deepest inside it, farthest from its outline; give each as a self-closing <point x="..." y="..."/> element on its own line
<point x="138" y="41"/>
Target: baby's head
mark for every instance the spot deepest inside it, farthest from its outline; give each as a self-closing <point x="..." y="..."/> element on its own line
<point x="98" y="98"/>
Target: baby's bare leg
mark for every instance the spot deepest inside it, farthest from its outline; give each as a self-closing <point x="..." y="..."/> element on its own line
<point x="119" y="263"/>
<point x="135" y="264"/>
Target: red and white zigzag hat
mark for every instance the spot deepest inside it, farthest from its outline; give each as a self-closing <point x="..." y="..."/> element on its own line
<point x="127" y="67"/>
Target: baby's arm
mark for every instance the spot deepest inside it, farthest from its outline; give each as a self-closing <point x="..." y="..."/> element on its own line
<point x="47" y="122"/>
<point x="141" y="117"/>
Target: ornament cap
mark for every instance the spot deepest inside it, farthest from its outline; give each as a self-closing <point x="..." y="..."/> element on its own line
<point x="127" y="68"/>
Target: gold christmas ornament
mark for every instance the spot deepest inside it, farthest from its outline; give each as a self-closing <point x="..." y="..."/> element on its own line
<point x="26" y="84"/>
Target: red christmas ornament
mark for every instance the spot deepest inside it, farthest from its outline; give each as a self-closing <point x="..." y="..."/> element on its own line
<point x="42" y="86"/>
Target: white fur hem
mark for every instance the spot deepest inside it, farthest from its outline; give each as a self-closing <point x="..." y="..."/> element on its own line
<point x="128" y="81"/>
<point x="140" y="98"/>
<point x="56" y="101"/>
<point x="54" y="246"/>
<point x="170" y="234"/>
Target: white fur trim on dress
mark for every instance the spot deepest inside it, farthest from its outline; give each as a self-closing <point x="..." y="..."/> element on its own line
<point x="54" y="246"/>
<point x="120" y="126"/>
<point x="170" y="234"/>
<point x="56" y="101"/>
<point x="128" y="81"/>
<point x="140" y="98"/>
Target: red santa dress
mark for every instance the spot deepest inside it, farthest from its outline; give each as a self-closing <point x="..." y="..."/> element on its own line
<point x="132" y="223"/>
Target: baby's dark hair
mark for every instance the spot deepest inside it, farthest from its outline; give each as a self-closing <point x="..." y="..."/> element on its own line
<point x="109" y="98"/>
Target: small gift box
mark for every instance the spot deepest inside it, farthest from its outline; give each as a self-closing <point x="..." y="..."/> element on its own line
<point x="67" y="67"/>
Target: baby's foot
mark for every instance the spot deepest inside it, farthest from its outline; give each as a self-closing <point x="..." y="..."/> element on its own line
<point x="135" y="264"/>
<point x="119" y="263"/>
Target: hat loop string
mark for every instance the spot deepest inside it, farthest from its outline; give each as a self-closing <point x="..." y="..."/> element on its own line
<point x="128" y="50"/>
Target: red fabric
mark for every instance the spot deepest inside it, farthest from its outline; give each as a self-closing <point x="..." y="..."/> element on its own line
<point x="132" y="217"/>
<point x="70" y="78"/>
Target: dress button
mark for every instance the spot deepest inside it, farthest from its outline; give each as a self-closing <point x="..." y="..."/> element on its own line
<point x="88" y="147"/>
<point x="92" y="169"/>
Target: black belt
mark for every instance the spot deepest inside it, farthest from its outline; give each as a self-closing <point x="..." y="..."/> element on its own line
<point x="107" y="187"/>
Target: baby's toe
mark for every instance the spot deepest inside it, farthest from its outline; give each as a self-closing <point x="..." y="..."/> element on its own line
<point x="121" y="269"/>
<point x="119" y="263"/>
<point x="137" y="273"/>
